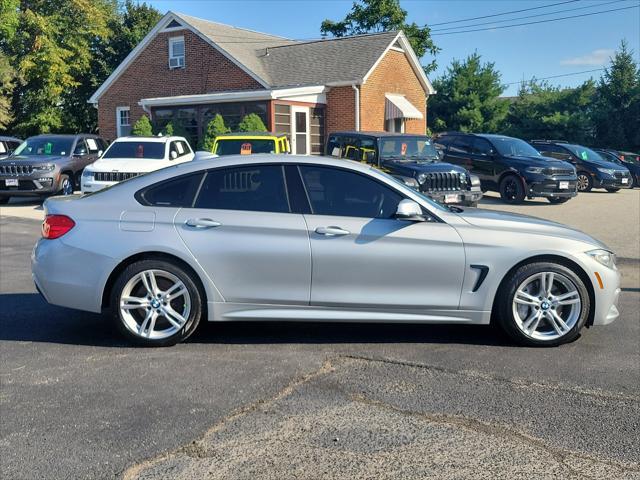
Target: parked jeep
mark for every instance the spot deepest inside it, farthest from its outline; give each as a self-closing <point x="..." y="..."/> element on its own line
<point x="8" y="145"/>
<point x="593" y="170"/>
<point x="510" y="166"/>
<point x="48" y="164"/>
<point x="247" y="143"/>
<point x="410" y="158"/>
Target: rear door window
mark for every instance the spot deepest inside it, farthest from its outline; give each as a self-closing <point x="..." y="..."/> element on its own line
<point x="462" y="145"/>
<point x="258" y="188"/>
<point x="482" y="147"/>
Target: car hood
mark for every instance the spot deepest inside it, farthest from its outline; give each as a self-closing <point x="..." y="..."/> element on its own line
<point x="605" y="164"/>
<point x="424" y="167"/>
<point x="511" y="222"/>
<point x="128" y="165"/>
<point x="546" y="162"/>
<point x="35" y="160"/>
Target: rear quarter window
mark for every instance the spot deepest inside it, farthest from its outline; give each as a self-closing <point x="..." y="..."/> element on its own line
<point x="176" y="192"/>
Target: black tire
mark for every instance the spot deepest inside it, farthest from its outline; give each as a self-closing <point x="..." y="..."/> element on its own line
<point x="194" y="291"/>
<point x="512" y="190"/>
<point x="66" y="184"/>
<point x="4" y="200"/>
<point x="503" y="306"/>
<point x="585" y="182"/>
<point x="612" y="190"/>
<point x="558" y="200"/>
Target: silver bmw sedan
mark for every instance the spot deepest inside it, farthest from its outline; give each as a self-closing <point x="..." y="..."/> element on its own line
<point x="268" y="237"/>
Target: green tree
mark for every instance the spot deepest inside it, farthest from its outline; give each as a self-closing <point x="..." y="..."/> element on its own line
<point x="9" y="20"/>
<point x="545" y="111"/>
<point x="468" y="98"/>
<point x="252" y="123"/>
<point x="367" y="16"/>
<point x="215" y="127"/>
<point x="616" y="114"/>
<point x="142" y="127"/>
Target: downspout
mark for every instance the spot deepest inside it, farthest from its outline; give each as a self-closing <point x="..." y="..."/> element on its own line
<point x="357" y="112"/>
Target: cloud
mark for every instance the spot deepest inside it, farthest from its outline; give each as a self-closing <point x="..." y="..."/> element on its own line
<point x="596" y="58"/>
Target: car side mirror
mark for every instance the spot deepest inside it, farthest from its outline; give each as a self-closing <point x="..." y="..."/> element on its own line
<point x="173" y="154"/>
<point x="409" y="210"/>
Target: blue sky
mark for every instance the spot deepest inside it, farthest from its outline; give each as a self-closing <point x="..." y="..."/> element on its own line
<point x="541" y="50"/>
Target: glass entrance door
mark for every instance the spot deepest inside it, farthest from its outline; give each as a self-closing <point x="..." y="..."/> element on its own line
<point x="300" y="130"/>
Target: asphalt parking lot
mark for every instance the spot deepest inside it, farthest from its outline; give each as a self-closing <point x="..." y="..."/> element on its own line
<point x="319" y="400"/>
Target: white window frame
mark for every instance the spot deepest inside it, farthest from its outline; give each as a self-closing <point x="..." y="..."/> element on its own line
<point x="181" y="64"/>
<point x="119" y="125"/>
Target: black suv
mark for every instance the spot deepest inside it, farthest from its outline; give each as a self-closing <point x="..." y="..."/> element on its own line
<point x="48" y="164"/>
<point x="593" y="170"/>
<point x="8" y="145"/>
<point x="629" y="160"/>
<point x="509" y="166"/>
<point x="410" y="158"/>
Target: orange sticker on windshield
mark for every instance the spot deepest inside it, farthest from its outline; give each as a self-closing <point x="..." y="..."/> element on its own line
<point x="245" y="149"/>
<point x="403" y="150"/>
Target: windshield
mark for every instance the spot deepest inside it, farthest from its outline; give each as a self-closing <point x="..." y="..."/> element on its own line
<point x="584" y="153"/>
<point x="408" y="148"/>
<point x="41" y="146"/>
<point x="514" y="147"/>
<point x="245" y="147"/>
<point x="146" y="150"/>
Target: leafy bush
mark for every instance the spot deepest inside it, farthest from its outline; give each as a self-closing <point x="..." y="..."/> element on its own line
<point x="251" y="123"/>
<point x="215" y="127"/>
<point x="142" y="127"/>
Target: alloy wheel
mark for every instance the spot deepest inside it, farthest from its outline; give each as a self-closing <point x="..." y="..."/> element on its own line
<point x="155" y="304"/>
<point x="67" y="186"/>
<point x="583" y="183"/>
<point x="546" y="306"/>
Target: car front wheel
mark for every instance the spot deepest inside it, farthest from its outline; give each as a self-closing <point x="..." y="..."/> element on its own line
<point x="156" y="303"/>
<point x="585" y="183"/>
<point x="543" y="304"/>
<point x="66" y="185"/>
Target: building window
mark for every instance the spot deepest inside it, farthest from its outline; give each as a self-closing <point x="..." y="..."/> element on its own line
<point x="176" y="52"/>
<point x="123" y="121"/>
<point x="394" y="125"/>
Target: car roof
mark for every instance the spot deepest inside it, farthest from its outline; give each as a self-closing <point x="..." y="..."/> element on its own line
<point x="378" y="134"/>
<point x="5" y="138"/>
<point x="251" y="134"/>
<point x="148" y="138"/>
<point x="65" y="135"/>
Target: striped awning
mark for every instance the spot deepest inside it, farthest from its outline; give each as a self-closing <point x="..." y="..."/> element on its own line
<point x="397" y="106"/>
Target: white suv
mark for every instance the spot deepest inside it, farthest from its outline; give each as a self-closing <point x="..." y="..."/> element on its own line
<point x="129" y="157"/>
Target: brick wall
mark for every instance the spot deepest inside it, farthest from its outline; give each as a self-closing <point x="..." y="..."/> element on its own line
<point x="392" y="75"/>
<point x="340" y="112"/>
<point x="206" y="71"/>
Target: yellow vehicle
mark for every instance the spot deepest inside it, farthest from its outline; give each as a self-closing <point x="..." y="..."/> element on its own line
<point x="246" y="143"/>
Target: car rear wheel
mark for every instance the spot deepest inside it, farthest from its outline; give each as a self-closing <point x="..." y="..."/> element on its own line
<point x="156" y="303"/>
<point x="558" y="200"/>
<point x="612" y="190"/>
<point x="543" y="304"/>
<point x="512" y="190"/>
<point x="585" y="183"/>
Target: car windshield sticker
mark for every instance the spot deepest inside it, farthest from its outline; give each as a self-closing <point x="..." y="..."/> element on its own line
<point x="584" y="155"/>
<point x="140" y="151"/>
<point x="245" y="149"/>
<point x="93" y="146"/>
<point x="180" y="148"/>
<point x="403" y="151"/>
<point x="48" y="147"/>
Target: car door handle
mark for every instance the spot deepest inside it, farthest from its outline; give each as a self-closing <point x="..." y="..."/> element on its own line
<point x="202" y="223"/>
<point x="332" y="231"/>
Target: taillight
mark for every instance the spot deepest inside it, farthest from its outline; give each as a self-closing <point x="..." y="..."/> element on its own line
<point x="55" y="226"/>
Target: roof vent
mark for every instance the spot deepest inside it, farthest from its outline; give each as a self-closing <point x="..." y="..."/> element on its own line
<point x="174" y="24"/>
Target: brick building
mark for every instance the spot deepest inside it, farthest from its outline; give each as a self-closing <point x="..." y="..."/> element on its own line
<point x="187" y="70"/>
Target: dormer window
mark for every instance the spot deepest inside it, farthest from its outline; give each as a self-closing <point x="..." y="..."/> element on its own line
<point x="176" y="52"/>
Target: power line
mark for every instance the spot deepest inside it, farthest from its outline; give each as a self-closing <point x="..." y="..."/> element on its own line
<point x="536" y="22"/>
<point x="557" y="76"/>
<point x="503" y="13"/>
<point x="529" y="16"/>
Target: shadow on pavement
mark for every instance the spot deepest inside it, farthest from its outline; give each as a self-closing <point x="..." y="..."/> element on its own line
<point x="31" y="319"/>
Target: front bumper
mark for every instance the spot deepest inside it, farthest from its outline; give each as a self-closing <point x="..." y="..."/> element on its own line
<point x="36" y="184"/>
<point x="455" y="196"/>
<point x="557" y="186"/>
<point x="613" y="182"/>
<point x="606" y="292"/>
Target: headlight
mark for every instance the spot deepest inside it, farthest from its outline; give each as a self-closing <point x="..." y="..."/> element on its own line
<point x="86" y="173"/>
<point x="608" y="171"/>
<point x="422" y="178"/>
<point x="535" y="169"/>
<point x="604" y="257"/>
<point x="44" y="168"/>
